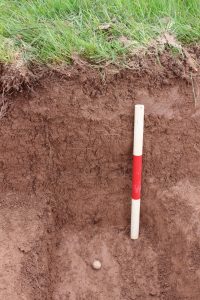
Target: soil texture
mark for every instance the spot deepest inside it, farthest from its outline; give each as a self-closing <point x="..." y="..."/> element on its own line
<point x="65" y="172"/>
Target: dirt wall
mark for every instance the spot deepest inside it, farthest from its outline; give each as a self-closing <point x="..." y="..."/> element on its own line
<point x="65" y="157"/>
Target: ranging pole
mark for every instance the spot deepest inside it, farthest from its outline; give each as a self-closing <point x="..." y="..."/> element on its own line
<point x="137" y="170"/>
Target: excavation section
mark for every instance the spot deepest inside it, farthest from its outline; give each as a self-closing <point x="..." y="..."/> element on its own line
<point x="65" y="171"/>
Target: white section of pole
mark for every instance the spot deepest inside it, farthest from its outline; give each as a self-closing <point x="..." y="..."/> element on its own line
<point x="135" y="219"/>
<point x="138" y="130"/>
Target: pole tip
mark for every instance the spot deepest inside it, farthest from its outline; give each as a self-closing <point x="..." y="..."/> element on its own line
<point x="139" y="106"/>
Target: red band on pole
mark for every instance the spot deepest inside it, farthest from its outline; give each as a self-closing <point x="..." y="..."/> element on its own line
<point x="136" y="177"/>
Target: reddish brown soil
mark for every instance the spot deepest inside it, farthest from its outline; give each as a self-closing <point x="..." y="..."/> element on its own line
<point x="65" y="158"/>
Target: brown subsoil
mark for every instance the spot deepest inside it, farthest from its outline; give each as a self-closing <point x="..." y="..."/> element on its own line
<point x="65" y="171"/>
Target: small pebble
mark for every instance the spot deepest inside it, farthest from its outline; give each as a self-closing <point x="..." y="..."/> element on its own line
<point x="96" y="265"/>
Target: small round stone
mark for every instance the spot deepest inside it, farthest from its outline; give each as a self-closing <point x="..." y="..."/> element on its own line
<point x="96" y="264"/>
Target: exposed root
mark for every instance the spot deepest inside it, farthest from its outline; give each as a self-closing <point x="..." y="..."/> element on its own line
<point x="3" y="107"/>
<point x="13" y="78"/>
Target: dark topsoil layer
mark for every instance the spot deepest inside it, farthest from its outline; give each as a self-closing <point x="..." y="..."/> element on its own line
<point x="65" y="171"/>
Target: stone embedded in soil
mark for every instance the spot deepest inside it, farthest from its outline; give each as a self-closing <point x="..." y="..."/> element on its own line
<point x="96" y="265"/>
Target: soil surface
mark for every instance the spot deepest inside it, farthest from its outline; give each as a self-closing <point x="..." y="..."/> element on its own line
<point x="65" y="171"/>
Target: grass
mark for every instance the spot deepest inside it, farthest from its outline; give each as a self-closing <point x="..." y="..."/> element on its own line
<point x="50" y="31"/>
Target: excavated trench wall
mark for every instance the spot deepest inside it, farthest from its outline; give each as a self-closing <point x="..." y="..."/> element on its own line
<point x="65" y="157"/>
